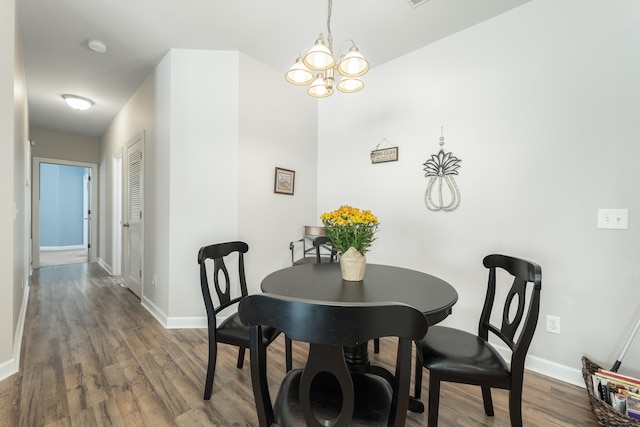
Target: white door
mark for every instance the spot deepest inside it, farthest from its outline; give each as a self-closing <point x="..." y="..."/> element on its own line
<point x="133" y="217"/>
<point x="87" y="212"/>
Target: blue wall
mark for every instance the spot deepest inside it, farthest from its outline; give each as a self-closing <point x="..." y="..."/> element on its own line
<point x="61" y="205"/>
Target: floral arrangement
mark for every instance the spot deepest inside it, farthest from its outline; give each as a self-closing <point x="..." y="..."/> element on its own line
<point x="350" y="227"/>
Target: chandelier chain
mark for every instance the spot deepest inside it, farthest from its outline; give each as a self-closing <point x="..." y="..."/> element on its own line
<point x="329" y="35"/>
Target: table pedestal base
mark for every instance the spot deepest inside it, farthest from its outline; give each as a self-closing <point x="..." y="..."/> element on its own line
<point x="357" y="358"/>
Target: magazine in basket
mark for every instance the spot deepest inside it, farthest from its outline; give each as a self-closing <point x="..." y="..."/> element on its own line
<point x="619" y="391"/>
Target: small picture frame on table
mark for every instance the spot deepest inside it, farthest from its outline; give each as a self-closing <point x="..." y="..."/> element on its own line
<point x="284" y="181"/>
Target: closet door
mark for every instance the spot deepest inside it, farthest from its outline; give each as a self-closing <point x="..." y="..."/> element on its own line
<point x="133" y="217"/>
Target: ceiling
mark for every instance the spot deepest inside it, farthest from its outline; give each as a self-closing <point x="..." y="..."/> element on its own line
<point x="139" y="33"/>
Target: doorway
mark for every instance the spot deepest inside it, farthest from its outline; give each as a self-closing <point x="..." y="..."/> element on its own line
<point x="62" y="202"/>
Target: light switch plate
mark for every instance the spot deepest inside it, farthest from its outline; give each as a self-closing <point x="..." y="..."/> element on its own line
<point x="613" y="219"/>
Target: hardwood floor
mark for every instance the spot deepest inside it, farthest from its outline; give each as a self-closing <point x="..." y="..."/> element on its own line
<point x="92" y="356"/>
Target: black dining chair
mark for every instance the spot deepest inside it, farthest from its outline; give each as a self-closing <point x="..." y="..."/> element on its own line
<point x="320" y="243"/>
<point x="325" y="392"/>
<point x="457" y="356"/>
<point x="303" y="250"/>
<point x="231" y="330"/>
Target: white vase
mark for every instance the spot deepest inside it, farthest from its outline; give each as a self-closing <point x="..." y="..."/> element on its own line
<point x="352" y="265"/>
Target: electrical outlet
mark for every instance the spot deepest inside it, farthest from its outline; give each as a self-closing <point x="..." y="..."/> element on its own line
<point x="553" y="324"/>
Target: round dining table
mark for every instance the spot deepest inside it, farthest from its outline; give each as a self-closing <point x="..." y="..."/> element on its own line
<point x="382" y="283"/>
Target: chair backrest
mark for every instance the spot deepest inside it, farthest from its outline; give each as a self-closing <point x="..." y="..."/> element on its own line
<point x="320" y="242"/>
<point x="311" y="232"/>
<point x="222" y="285"/>
<point x="517" y="314"/>
<point x="328" y="327"/>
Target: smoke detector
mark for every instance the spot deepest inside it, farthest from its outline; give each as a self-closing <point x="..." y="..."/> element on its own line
<point x="97" y="46"/>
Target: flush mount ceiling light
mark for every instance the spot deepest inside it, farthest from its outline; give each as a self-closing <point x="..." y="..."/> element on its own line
<point x="320" y="60"/>
<point x="77" y="102"/>
<point x="97" y="45"/>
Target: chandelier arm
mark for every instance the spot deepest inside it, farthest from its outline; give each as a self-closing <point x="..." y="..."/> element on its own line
<point x="353" y="44"/>
<point x="303" y="52"/>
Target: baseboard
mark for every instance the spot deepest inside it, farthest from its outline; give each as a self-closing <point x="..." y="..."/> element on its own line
<point x="167" y="322"/>
<point x="61" y="248"/>
<point x="12" y="366"/>
<point x="187" y="322"/>
<point x="8" y="368"/>
<point x="155" y="311"/>
<point x="548" y="368"/>
<point x="555" y="370"/>
<point x="106" y="267"/>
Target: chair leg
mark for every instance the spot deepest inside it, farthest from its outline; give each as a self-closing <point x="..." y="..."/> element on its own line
<point x="515" y="407"/>
<point x="240" y="357"/>
<point x="376" y="345"/>
<point x="211" y="370"/>
<point x="417" y="382"/>
<point x="434" y="400"/>
<point x="488" y="402"/>
<point x="288" y="353"/>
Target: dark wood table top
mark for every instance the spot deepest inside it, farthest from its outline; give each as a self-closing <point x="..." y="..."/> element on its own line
<point x="382" y="283"/>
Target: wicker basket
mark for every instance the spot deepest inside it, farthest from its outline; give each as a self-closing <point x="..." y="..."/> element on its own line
<point x="604" y="412"/>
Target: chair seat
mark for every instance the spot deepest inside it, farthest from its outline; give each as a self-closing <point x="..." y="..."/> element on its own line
<point x="372" y="404"/>
<point x="455" y="352"/>
<point x="305" y="260"/>
<point x="233" y="331"/>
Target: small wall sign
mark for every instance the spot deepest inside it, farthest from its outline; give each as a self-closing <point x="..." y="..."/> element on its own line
<point x="384" y="154"/>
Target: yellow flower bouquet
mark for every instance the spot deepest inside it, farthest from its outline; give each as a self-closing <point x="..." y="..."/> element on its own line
<point x="350" y="227"/>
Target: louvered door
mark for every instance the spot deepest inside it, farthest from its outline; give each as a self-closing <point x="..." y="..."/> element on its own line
<point x="133" y="217"/>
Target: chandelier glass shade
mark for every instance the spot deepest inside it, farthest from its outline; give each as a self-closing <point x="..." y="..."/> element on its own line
<point x="318" y="65"/>
<point x="299" y="74"/>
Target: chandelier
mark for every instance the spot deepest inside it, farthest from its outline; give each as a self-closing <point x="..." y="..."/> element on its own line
<point x="320" y="60"/>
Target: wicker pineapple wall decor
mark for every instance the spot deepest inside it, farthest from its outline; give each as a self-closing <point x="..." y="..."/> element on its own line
<point x="440" y="169"/>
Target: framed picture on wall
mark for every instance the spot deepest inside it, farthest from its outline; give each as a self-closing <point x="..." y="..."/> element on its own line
<point x="284" y="181"/>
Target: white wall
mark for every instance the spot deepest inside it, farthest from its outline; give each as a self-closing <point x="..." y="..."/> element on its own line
<point x="52" y="144"/>
<point x="215" y="130"/>
<point x="278" y="127"/>
<point x="203" y="167"/>
<point x="141" y="114"/>
<point x="541" y="105"/>
<point x="7" y="44"/>
<point x="14" y="179"/>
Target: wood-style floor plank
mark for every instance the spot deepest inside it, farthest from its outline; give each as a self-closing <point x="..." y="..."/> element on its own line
<point x="92" y="356"/>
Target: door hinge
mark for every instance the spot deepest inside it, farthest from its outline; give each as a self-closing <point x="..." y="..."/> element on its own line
<point x="140" y="214"/>
<point x="89" y="212"/>
<point x="88" y="245"/>
<point x="141" y="274"/>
